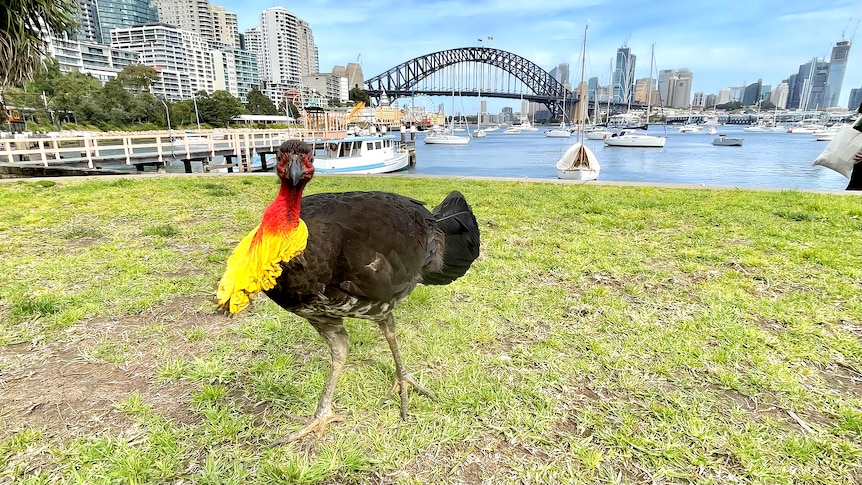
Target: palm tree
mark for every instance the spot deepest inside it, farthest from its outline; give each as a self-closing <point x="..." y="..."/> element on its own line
<point x="24" y="24"/>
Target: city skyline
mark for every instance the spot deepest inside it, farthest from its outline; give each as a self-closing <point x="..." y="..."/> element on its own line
<point x="728" y="47"/>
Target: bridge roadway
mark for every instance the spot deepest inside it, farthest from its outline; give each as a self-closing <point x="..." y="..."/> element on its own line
<point x="151" y="149"/>
<point x="536" y="98"/>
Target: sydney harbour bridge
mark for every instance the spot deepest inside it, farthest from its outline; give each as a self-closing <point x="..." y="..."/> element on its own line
<point x="475" y="71"/>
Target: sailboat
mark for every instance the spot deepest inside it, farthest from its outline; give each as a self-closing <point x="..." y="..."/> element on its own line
<point x="630" y="138"/>
<point x="561" y="131"/>
<point x="480" y="132"/>
<point x="579" y="162"/>
<point x="597" y="131"/>
<point x="447" y="136"/>
<point x="689" y="126"/>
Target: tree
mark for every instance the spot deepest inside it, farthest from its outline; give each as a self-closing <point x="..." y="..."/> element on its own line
<point x="259" y="104"/>
<point x="72" y="91"/>
<point x="117" y="103"/>
<point x="183" y="113"/>
<point x="767" y="105"/>
<point x="45" y="77"/>
<point x="219" y="108"/>
<point x="22" y="23"/>
<point x="729" y="106"/>
<point x="137" y="77"/>
<point x="359" y="94"/>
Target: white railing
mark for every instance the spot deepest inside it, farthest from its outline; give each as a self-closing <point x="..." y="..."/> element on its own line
<point x="147" y="147"/>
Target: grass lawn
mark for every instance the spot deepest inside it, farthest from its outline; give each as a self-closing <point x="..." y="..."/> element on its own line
<point x="606" y="334"/>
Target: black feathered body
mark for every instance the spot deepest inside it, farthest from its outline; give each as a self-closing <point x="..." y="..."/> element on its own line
<point x="367" y="251"/>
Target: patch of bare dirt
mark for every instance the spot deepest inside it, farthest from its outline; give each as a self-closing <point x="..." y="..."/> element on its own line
<point x="843" y="379"/>
<point x="62" y="389"/>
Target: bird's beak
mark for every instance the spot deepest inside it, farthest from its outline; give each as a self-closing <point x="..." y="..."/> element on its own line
<point x="294" y="169"/>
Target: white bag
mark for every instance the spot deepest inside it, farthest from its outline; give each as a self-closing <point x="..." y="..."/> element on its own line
<point x="844" y="151"/>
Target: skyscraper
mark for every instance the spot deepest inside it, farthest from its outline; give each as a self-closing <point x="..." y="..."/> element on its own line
<point x="225" y="26"/>
<point x="121" y="14"/>
<point x="287" y="53"/>
<point x="809" y="86"/>
<point x="816" y="94"/>
<point x="855" y="99"/>
<point x="835" y="77"/>
<point x="624" y="75"/>
<point x="682" y="89"/>
<point x="212" y="22"/>
<point x="779" y="95"/>
<point x="353" y="73"/>
<point x="751" y="93"/>
<point x="89" y="29"/>
<point x="191" y="15"/>
<point x="674" y="87"/>
<point x="561" y="74"/>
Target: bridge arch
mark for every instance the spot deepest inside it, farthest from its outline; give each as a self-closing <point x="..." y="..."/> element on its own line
<point x="404" y="79"/>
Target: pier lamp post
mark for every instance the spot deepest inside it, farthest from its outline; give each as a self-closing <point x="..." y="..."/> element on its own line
<point x="197" y="116"/>
<point x="168" y="116"/>
<point x="167" y="112"/>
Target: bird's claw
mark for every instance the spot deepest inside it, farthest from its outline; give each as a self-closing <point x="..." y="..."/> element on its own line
<point x="401" y="386"/>
<point x="316" y="425"/>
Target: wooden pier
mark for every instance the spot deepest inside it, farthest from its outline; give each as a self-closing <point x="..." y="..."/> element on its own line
<point x="151" y="149"/>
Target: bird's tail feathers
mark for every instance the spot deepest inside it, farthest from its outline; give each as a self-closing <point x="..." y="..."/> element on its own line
<point x="460" y="231"/>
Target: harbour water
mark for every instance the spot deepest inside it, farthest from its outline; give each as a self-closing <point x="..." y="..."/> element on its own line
<point x="765" y="160"/>
<point x="776" y="160"/>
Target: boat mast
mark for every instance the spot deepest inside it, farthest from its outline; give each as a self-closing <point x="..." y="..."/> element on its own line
<point x="581" y="125"/>
<point x="649" y="85"/>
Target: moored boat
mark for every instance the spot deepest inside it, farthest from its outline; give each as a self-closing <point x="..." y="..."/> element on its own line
<point x="727" y="141"/>
<point x="597" y="133"/>
<point x="640" y="138"/>
<point x="446" y="137"/>
<point x="689" y="128"/>
<point x="579" y="162"/>
<point x="561" y="131"/>
<point x="633" y="139"/>
<point x="359" y="155"/>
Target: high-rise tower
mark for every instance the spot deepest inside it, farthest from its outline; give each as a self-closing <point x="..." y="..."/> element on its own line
<point x="287" y="52"/>
<point x="835" y="77"/>
<point x="624" y="75"/>
<point x="212" y="22"/>
<point x="89" y="29"/>
<point x="121" y="14"/>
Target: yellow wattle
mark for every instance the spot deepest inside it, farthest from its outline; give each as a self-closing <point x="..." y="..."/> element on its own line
<point x="254" y="264"/>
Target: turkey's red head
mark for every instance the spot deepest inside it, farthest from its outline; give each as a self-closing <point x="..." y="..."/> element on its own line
<point x="295" y="163"/>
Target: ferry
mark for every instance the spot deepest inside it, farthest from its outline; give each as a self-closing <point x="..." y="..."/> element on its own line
<point x="359" y="155"/>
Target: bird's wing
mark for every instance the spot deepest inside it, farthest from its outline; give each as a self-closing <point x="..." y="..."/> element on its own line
<point x="368" y="246"/>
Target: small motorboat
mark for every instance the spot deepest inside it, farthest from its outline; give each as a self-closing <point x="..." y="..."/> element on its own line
<point x="727" y="141"/>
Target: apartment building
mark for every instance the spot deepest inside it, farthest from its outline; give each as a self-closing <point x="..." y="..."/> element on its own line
<point x="98" y="60"/>
<point x="182" y="58"/>
<point x="287" y="53"/>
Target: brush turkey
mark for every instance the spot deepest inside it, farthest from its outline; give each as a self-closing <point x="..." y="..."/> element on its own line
<point x="330" y="256"/>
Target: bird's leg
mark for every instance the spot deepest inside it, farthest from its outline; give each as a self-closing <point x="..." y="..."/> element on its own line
<point x="403" y="380"/>
<point x="333" y="333"/>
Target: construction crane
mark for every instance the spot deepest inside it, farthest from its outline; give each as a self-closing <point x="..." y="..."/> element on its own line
<point x="847" y="27"/>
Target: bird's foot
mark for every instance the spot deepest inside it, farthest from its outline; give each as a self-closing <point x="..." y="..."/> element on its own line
<point x="316" y="424"/>
<point x="401" y="386"/>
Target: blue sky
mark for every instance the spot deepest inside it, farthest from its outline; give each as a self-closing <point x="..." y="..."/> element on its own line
<point x="724" y="43"/>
